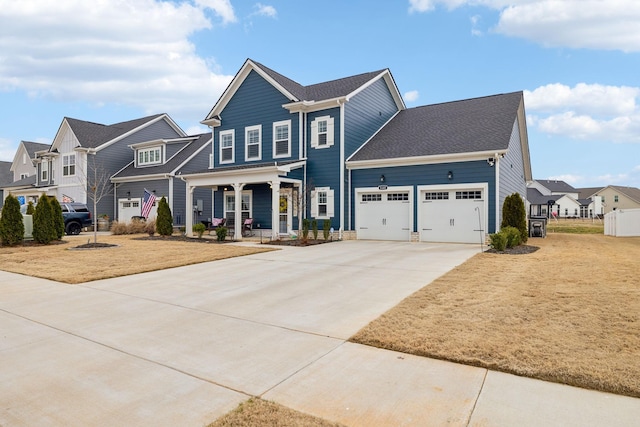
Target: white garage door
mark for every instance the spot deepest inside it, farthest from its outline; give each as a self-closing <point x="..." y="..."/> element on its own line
<point x="384" y="215"/>
<point x="452" y="215"/>
<point x="129" y="208"/>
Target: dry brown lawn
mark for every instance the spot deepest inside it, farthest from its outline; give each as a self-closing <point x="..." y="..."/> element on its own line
<point x="258" y="413"/>
<point x="62" y="263"/>
<point x="568" y="313"/>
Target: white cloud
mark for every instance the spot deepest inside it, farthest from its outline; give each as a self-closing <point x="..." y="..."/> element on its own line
<point x="136" y="53"/>
<point x="265" y="10"/>
<point x="222" y="8"/>
<point x="591" y="24"/>
<point x="411" y="96"/>
<point x="568" y="178"/>
<point x="586" y="111"/>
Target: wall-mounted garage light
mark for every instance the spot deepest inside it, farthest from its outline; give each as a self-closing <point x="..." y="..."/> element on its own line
<point x="450" y="175"/>
<point x="382" y="179"/>
<point x="128" y="195"/>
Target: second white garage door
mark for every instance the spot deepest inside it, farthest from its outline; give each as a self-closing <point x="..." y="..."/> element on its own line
<point x="456" y="215"/>
<point x="384" y="215"/>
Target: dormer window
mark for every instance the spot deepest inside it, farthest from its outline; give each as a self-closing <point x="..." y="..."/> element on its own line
<point x="149" y="156"/>
<point x="44" y="170"/>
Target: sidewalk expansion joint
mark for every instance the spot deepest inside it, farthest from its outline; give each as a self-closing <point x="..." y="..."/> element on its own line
<point x="475" y="403"/>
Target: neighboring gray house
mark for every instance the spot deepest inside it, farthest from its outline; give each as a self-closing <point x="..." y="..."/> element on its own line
<point x="157" y="166"/>
<point x="23" y="168"/>
<point x="6" y="178"/>
<point x="79" y="148"/>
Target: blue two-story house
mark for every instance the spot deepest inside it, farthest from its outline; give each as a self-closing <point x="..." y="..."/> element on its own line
<point x="350" y="152"/>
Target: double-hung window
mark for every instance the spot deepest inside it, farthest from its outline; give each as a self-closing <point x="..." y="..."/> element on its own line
<point x="322" y="130"/>
<point x="322" y="203"/>
<point x="253" y="142"/>
<point x="282" y="139"/>
<point x="68" y="165"/>
<point x="227" y="146"/>
<point x="44" y="170"/>
<point x="149" y="156"/>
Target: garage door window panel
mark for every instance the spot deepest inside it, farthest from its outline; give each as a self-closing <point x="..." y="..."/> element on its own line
<point x="436" y="195"/>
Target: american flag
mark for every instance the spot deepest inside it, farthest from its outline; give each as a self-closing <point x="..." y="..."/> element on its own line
<point x="147" y="203"/>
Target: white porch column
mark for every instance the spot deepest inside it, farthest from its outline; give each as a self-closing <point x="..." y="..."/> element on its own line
<point x="237" y="228"/>
<point x="275" y="210"/>
<point x="188" y="225"/>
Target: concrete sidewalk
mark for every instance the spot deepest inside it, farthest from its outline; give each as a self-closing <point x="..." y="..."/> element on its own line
<point x="184" y="346"/>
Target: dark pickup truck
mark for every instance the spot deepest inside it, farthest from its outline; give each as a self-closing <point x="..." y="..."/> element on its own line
<point x="76" y="217"/>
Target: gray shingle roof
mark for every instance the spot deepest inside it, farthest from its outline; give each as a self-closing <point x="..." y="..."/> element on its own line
<point x="6" y="176"/>
<point x="320" y="91"/>
<point x="471" y="125"/>
<point x="557" y="186"/>
<point x="537" y="198"/>
<point x="174" y="162"/>
<point x="29" y="181"/>
<point x="631" y="192"/>
<point x="32" y="147"/>
<point x="92" y="135"/>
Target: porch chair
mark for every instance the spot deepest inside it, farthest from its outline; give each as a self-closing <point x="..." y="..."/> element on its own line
<point x="247" y="227"/>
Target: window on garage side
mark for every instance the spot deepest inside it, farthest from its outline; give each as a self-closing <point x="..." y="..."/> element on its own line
<point x="372" y="197"/>
<point x="322" y="130"/>
<point x="468" y="195"/>
<point x="436" y="195"/>
<point x="401" y="197"/>
<point x="322" y="203"/>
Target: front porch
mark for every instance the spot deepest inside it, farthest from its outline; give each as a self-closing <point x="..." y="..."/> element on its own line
<point x="269" y="195"/>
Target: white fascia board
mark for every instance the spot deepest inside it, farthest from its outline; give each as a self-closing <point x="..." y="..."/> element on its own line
<point x="235" y="84"/>
<point x="423" y="160"/>
<point x="311" y="106"/>
<point x="140" y="178"/>
<point x="164" y="117"/>
<point x="56" y="142"/>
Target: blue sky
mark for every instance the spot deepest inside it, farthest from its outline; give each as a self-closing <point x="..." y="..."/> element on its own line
<point x="578" y="62"/>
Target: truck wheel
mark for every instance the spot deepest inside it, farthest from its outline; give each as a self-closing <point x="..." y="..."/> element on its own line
<point x="73" y="228"/>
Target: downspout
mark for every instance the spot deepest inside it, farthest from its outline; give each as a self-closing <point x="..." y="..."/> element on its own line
<point x="115" y="201"/>
<point x="497" y="160"/>
<point x="341" y="169"/>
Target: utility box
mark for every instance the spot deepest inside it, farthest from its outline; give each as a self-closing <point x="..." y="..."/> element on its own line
<point x="537" y="226"/>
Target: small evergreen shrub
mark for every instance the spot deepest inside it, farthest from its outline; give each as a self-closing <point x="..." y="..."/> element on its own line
<point x="30" y="208"/>
<point x="326" y="229"/>
<point x="498" y="241"/>
<point x="58" y="219"/>
<point x="221" y="233"/>
<point x="199" y="229"/>
<point x="305" y="229"/>
<point x="512" y="235"/>
<point x="514" y="215"/>
<point x="164" y="220"/>
<point x="11" y="222"/>
<point x="44" y="230"/>
<point x="314" y="229"/>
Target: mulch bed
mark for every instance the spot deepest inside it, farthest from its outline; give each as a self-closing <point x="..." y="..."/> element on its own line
<point x="181" y="238"/>
<point x="516" y="250"/>
<point x="296" y="242"/>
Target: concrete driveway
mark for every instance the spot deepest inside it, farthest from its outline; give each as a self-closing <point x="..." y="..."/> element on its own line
<point x="184" y="346"/>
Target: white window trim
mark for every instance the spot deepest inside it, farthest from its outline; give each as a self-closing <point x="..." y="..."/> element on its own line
<point x="275" y="125"/>
<point x="233" y="145"/>
<point x="330" y="203"/>
<point x="246" y="143"/>
<point x="330" y="132"/>
<point x="75" y="164"/>
<point x="150" y="150"/>
<point x="233" y="193"/>
<point x="44" y="170"/>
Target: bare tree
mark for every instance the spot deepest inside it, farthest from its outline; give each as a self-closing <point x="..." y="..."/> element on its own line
<point x="98" y="184"/>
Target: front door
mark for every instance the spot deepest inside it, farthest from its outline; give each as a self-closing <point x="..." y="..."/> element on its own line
<point x="285" y="211"/>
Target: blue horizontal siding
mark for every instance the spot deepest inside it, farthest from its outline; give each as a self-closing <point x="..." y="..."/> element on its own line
<point x="256" y="102"/>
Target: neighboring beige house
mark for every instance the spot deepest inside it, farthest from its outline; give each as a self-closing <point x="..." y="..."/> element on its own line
<point x="616" y="197"/>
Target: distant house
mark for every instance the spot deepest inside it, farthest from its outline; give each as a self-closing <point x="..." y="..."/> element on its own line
<point x="24" y="170"/>
<point x="556" y="198"/>
<point x="349" y="152"/>
<point x="616" y="197"/>
<point x="6" y="178"/>
<point x="157" y="166"/>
